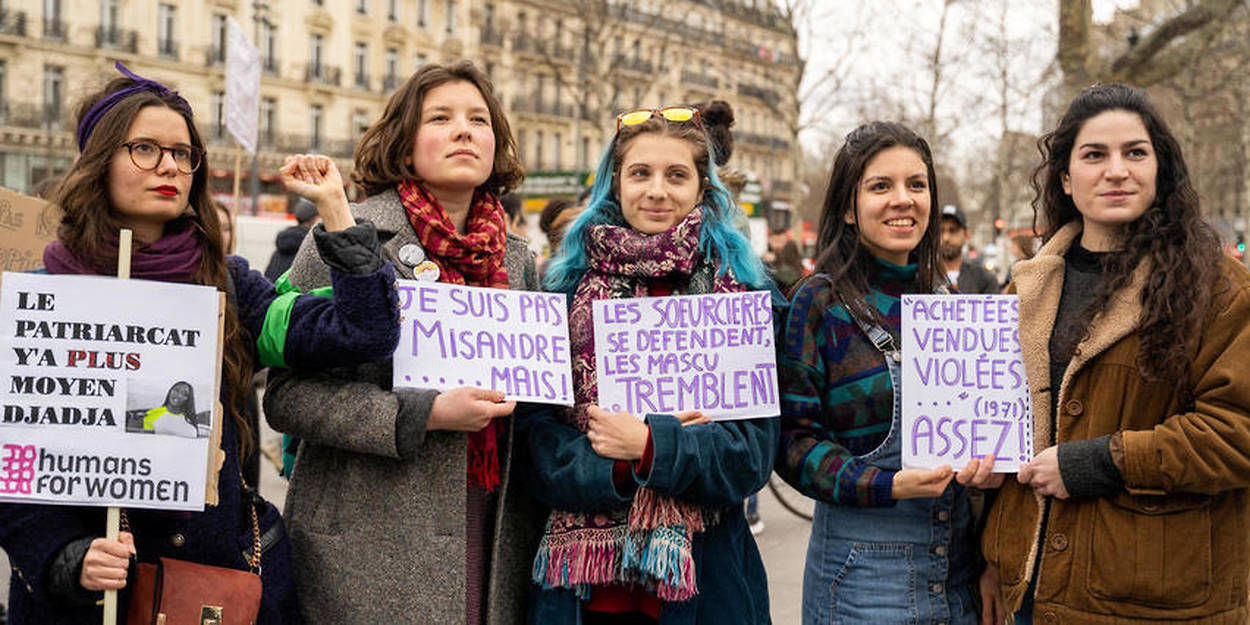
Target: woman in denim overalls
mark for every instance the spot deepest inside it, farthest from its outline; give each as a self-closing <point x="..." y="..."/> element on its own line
<point x="887" y="545"/>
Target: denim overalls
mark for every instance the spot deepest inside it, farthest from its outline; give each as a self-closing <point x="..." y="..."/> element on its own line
<point x="907" y="564"/>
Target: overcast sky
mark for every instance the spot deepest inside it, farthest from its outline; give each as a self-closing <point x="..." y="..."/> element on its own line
<point x="887" y="42"/>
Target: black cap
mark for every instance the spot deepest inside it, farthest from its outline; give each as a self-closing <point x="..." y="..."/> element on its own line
<point x="304" y="211"/>
<point x="953" y="212"/>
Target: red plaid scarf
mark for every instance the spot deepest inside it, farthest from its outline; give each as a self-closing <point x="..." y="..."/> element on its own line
<point x="473" y="259"/>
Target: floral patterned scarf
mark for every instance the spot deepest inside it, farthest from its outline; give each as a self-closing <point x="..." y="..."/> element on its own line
<point x="648" y="542"/>
<point x="474" y="259"/>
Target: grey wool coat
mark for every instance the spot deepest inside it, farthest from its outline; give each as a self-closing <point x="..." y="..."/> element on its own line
<point x="376" y="506"/>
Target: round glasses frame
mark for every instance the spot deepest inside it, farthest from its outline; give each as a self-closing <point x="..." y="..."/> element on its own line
<point x="191" y="162"/>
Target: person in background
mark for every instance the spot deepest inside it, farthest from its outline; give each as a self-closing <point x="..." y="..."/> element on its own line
<point x="554" y="219"/>
<point x="968" y="275"/>
<point x="888" y="544"/>
<point x="783" y="258"/>
<point x="517" y="225"/>
<point x="44" y="189"/>
<point x="227" y="226"/>
<point x="1023" y="247"/>
<point x="287" y="243"/>
<point x="1133" y="324"/>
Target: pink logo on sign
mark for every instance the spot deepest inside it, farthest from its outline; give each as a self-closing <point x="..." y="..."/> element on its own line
<point x="17" y="469"/>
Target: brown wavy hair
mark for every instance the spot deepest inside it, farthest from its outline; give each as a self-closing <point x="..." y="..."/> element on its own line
<point x="1183" y="250"/>
<point x="841" y="256"/>
<point x="89" y="228"/>
<point x="382" y="156"/>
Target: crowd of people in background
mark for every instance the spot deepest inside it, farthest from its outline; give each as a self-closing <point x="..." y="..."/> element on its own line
<point x="462" y="506"/>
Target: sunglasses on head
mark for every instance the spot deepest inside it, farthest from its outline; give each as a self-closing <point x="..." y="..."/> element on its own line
<point x="670" y="113"/>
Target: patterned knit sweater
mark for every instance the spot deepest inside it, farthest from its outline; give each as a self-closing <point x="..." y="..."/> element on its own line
<point x="837" y="398"/>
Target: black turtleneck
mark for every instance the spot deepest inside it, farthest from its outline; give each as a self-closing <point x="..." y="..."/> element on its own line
<point x="1086" y="466"/>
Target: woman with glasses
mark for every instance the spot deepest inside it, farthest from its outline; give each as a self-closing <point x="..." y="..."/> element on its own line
<point x="403" y="506"/>
<point x="888" y="545"/>
<point x="647" y="520"/>
<point x="141" y="167"/>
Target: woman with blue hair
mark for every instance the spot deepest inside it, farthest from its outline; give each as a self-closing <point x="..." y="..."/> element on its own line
<point x="646" y="523"/>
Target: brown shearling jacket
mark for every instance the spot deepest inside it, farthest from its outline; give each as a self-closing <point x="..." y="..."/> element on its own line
<point x="1175" y="544"/>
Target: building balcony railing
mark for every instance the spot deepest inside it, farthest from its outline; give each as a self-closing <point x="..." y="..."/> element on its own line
<point x="695" y="35"/>
<point x="492" y="37"/>
<point x="361" y="81"/>
<point x="535" y="104"/>
<point x="764" y="141"/>
<point x="54" y="28"/>
<point x="31" y="115"/>
<point x="526" y="43"/>
<point x="390" y="83"/>
<point x="270" y="65"/>
<point x="296" y="143"/>
<point x="167" y="48"/>
<point x="116" y="39"/>
<point x="760" y="93"/>
<point x="783" y="186"/>
<point x="700" y="80"/>
<point x="632" y="64"/>
<point x="323" y="74"/>
<point x="216" y="55"/>
<point x="13" y="23"/>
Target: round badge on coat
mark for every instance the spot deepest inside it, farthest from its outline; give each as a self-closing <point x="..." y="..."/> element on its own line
<point x="426" y="270"/>
<point x="411" y="255"/>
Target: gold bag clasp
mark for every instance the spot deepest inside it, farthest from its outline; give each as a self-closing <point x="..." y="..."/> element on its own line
<point x="211" y="614"/>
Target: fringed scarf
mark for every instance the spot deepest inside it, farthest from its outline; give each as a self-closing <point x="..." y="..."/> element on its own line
<point x="649" y="542"/>
<point x="172" y="258"/>
<point x="474" y="259"/>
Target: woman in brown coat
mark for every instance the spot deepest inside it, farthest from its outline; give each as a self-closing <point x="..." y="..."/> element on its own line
<point x="1136" y="340"/>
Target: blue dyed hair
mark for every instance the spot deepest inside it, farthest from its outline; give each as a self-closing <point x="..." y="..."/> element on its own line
<point x="718" y="237"/>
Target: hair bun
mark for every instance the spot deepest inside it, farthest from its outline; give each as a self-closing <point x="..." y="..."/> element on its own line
<point x="718" y="113"/>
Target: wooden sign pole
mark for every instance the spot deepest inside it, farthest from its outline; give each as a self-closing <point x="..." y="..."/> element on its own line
<point x="113" y="524"/>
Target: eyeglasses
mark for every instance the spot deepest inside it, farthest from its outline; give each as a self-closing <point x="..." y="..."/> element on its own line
<point x="671" y="113"/>
<point x="147" y="154"/>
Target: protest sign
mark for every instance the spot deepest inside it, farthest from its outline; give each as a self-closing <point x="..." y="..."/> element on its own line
<point x="27" y="225"/>
<point x="965" y="394"/>
<point x="242" y="87"/>
<point x="712" y="353"/>
<point x="453" y="335"/>
<point x="107" y="392"/>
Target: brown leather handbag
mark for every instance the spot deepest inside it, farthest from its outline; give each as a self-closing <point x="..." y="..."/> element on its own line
<point x="177" y="592"/>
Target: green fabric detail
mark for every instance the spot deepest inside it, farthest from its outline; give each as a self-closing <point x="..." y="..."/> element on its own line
<point x="284" y="286"/>
<point x="271" y="344"/>
<point x="149" y="419"/>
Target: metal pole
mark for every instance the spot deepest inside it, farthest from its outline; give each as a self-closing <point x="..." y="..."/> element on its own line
<point x="257" y="20"/>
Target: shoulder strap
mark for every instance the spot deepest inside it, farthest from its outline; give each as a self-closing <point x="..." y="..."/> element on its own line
<point x="880" y="338"/>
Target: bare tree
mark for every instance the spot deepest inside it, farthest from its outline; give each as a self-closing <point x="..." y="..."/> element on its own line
<point x="1169" y="48"/>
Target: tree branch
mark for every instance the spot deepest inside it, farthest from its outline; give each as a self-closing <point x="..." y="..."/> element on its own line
<point x="1143" y="58"/>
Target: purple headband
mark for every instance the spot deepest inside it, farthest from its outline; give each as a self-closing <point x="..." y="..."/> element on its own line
<point x="88" y="121"/>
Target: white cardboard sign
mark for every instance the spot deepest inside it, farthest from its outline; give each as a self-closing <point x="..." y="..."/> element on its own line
<point x="712" y="353"/>
<point x="107" y="391"/>
<point x="453" y="335"/>
<point x="965" y="394"/>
